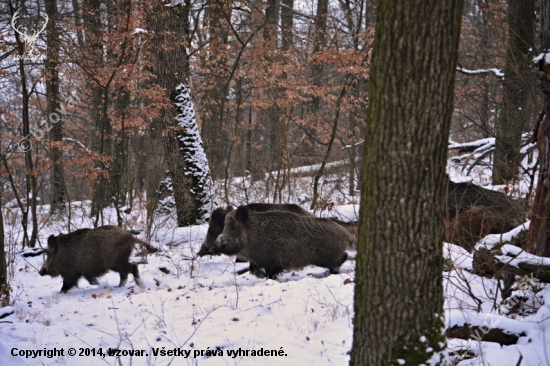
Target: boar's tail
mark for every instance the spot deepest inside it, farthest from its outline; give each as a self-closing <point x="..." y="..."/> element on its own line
<point x="352" y="245"/>
<point x="149" y="247"/>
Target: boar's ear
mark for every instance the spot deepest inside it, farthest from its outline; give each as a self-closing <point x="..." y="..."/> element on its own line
<point x="229" y="208"/>
<point x="242" y="214"/>
<point x="218" y="215"/>
<point x="52" y="243"/>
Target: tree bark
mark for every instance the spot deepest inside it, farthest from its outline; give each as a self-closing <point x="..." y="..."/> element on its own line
<point x="30" y="173"/>
<point x="539" y="233"/>
<point x="101" y="139"/>
<point x="515" y="113"/>
<point x="169" y="26"/>
<point x="215" y="140"/>
<point x="320" y="31"/>
<point x="287" y="24"/>
<point x="52" y="91"/>
<point x="4" y="289"/>
<point x="399" y="294"/>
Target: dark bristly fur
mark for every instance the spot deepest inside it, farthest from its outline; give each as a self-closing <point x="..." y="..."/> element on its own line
<point x="216" y="223"/>
<point x="91" y="253"/>
<point x="462" y="196"/>
<point x="276" y="240"/>
<point x="468" y="227"/>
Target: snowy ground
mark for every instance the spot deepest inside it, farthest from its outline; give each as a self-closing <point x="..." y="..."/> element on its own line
<point x="305" y="318"/>
<point x="215" y="317"/>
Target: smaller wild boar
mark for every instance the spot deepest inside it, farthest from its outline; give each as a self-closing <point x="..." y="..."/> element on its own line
<point x="277" y="240"/>
<point x="216" y="223"/>
<point x="91" y="253"/>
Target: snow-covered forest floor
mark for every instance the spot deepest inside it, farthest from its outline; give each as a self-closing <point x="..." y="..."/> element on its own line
<point x="215" y="317"/>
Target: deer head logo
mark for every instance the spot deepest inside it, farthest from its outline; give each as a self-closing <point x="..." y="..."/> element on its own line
<point x="30" y="40"/>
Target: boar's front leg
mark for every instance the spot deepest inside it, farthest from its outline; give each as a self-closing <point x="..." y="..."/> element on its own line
<point x="123" y="278"/>
<point x="69" y="281"/>
<point x="262" y="272"/>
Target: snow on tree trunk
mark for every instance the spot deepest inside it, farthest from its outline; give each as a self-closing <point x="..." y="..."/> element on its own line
<point x="196" y="164"/>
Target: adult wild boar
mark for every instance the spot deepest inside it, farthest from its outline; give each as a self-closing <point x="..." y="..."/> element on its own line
<point x="277" y="240"/>
<point x="470" y="226"/>
<point x="216" y="223"/>
<point x="463" y="196"/>
<point x="91" y="253"/>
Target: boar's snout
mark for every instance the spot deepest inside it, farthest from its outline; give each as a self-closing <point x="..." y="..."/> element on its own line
<point x="203" y="251"/>
<point x="206" y="250"/>
<point x="219" y="244"/>
<point x="43" y="271"/>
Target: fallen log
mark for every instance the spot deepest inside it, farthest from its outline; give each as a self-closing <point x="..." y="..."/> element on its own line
<point x="485" y="334"/>
<point x="511" y="260"/>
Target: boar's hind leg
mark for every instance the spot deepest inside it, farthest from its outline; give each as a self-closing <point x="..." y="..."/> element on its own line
<point x="68" y="283"/>
<point x="135" y="273"/>
<point x="92" y="280"/>
<point x="123" y="269"/>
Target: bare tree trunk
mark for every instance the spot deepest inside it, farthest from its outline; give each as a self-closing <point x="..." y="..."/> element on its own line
<point x="321" y="170"/>
<point x="215" y="140"/>
<point x="77" y="11"/>
<point x="52" y="91"/>
<point x="398" y="294"/>
<point x="257" y="115"/>
<point x="101" y="141"/>
<point x="170" y="65"/>
<point x="287" y="24"/>
<point x="539" y="233"/>
<point x="4" y="289"/>
<point x="30" y="173"/>
<point x="516" y="109"/>
<point x="118" y="191"/>
<point x="320" y="30"/>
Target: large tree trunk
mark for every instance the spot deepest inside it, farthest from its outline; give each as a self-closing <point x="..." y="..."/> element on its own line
<point x="52" y="91"/>
<point x="213" y="135"/>
<point x="516" y="111"/>
<point x="119" y="167"/>
<point x="319" y="34"/>
<point x="30" y="173"/>
<point x="101" y="140"/>
<point x="169" y="25"/>
<point x="539" y="233"/>
<point x="399" y="294"/>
